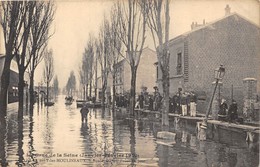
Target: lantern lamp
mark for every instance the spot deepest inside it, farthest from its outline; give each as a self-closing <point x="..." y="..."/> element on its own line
<point x="219" y="72"/>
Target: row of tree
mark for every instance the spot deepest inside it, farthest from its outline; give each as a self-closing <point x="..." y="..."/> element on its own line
<point x="123" y="35"/>
<point x="26" y="29"/>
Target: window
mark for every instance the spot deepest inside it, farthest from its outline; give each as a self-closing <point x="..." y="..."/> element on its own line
<point x="179" y="63"/>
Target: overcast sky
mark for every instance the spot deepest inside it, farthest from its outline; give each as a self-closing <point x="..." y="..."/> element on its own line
<point x="75" y="20"/>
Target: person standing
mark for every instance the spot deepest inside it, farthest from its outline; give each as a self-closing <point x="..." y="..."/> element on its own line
<point x="193" y="105"/>
<point x="84" y="113"/>
<point x="150" y="103"/>
<point x="222" y="114"/>
<point x="141" y="100"/>
<point x="188" y="101"/>
<point x="232" y="112"/>
<point x="184" y="105"/>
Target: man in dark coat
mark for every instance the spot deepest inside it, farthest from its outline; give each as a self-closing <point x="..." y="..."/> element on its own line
<point x="141" y="100"/>
<point x="150" y="103"/>
<point x="232" y="112"/>
<point x="84" y="113"/>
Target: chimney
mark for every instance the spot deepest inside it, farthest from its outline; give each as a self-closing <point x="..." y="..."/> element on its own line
<point x="227" y="10"/>
<point x="192" y="25"/>
<point x="204" y="22"/>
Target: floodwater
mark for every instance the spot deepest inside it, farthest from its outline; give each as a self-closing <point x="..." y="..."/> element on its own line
<point x="55" y="136"/>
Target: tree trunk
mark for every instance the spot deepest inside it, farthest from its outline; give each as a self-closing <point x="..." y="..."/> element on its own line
<point x="103" y="95"/>
<point x="165" y="108"/>
<point x="5" y="80"/>
<point x="47" y="92"/>
<point x="132" y="91"/>
<point x="84" y="92"/>
<point x="31" y="89"/>
<point x="87" y="91"/>
<point x="21" y="93"/>
<point x="90" y="89"/>
<point x="114" y="92"/>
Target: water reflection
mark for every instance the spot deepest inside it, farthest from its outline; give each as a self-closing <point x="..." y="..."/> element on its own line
<point x="20" y="152"/>
<point x="3" y="138"/>
<point x="110" y="138"/>
<point x="31" y="151"/>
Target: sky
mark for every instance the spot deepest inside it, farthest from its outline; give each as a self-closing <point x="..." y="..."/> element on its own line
<point x="75" y="20"/>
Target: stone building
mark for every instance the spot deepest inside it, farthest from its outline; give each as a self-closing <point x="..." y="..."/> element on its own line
<point x="232" y="41"/>
<point x="146" y="73"/>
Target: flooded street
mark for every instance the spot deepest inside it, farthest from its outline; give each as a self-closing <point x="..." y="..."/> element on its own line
<point x="55" y="136"/>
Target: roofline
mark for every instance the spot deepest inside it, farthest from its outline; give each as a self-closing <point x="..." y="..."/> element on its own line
<point x="209" y="24"/>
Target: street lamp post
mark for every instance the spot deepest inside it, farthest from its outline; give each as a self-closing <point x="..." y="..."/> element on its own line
<point x="219" y="74"/>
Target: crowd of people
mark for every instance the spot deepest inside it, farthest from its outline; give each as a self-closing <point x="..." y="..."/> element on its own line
<point x="180" y="103"/>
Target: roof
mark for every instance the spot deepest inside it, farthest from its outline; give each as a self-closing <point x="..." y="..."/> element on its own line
<point x="210" y="25"/>
<point x="147" y="48"/>
<point x="124" y="59"/>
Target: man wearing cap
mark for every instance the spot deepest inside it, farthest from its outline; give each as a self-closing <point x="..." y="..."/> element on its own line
<point x="84" y="113"/>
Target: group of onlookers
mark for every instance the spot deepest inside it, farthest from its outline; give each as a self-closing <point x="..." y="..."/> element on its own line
<point x="180" y="103"/>
<point x="228" y="113"/>
<point x="184" y="104"/>
<point x="122" y="100"/>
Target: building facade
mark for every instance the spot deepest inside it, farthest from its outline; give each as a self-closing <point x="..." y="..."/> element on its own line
<point x="14" y="78"/>
<point x="232" y="41"/>
<point x="145" y="77"/>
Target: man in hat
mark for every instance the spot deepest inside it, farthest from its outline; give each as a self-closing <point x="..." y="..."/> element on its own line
<point x="84" y="113"/>
<point x="222" y="114"/>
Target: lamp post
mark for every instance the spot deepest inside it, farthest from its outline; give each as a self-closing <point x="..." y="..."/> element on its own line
<point x="219" y="74"/>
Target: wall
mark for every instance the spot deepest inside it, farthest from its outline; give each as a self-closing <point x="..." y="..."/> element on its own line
<point x="146" y="71"/>
<point x="232" y="42"/>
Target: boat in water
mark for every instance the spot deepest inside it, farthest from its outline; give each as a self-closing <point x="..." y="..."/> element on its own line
<point x="69" y="100"/>
<point x="49" y="103"/>
<point x="89" y="104"/>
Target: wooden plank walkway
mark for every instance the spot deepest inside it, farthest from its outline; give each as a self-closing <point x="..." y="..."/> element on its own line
<point x="201" y="117"/>
<point x="237" y="126"/>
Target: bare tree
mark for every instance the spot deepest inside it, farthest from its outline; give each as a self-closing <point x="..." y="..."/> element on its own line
<point x="89" y="62"/>
<point x="21" y="53"/>
<point x="159" y="21"/>
<point x="116" y="50"/>
<point x="71" y="84"/>
<point x="48" y="70"/>
<point x="12" y="17"/>
<point x="102" y="51"/>
<point x="131" y="32"/>
<point x="56" y="85"/>
<point x="82" y="79"/>
<point x="86" y="71"/>
<point x="41" y="21"/>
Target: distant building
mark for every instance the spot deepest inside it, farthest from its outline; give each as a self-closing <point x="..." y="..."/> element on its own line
<point x="146" y="73"/>
<point x="232" y="41"/>
<point x="14" y="78"/>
